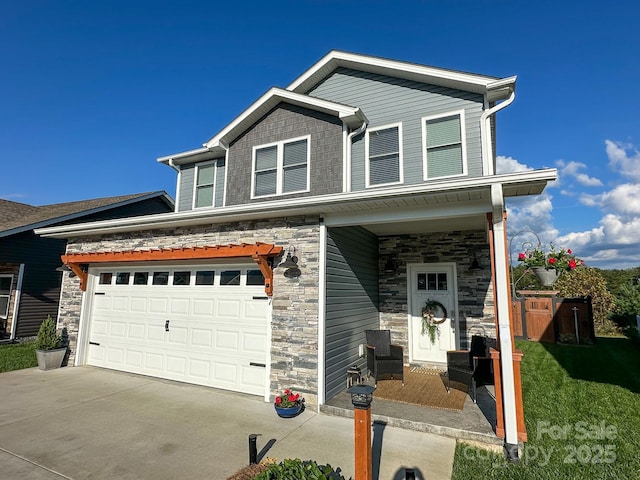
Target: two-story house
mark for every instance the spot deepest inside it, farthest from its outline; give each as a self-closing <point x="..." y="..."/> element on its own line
<point x="341" y="203"/>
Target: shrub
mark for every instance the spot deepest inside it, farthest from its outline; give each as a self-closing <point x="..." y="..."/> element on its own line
<point x="588" y="282"/>
<point x="300" y="470"/>
<point x="48" y="338"/>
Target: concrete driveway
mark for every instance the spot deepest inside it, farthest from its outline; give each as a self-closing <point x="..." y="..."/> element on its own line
<point x="89" y="423"/>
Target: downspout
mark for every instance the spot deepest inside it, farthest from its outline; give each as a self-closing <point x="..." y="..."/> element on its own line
<point x="501" y="294"/>
<point x="485" y="130"/>
<point x="350" y="137"/>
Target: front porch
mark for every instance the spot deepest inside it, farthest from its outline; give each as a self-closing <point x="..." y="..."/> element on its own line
<point x="475" y="423"/>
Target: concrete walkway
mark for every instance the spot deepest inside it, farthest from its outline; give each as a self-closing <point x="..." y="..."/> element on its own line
<point x="82" y="422"/>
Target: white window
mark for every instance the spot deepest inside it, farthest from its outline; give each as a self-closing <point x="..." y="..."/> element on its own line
<point x="205" y="185"/>
<point x="280" y="168"/>
<point x="444" y="146"/>
<point x="384" y="155"/>
<point x="5" y="294"/>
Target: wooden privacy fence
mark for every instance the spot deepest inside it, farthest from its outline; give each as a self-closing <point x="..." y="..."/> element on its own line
<point x="541" y="316"/>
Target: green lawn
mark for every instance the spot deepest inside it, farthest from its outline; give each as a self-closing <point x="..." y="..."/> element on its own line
<point x="582" y="411"/>
<point x="17" y="356"/>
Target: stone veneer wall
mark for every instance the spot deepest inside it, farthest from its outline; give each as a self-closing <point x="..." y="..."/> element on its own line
<point x="294" y="326"/>
<point x="475" y="291"/>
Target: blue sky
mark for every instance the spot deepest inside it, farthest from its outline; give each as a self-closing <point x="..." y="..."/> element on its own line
<point x="93" y="92"/>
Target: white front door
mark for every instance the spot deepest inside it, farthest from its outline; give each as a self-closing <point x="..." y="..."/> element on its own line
<point x="432" y="282"/>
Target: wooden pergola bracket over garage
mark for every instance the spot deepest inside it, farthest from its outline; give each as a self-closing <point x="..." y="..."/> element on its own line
<point x="258" y="252"/>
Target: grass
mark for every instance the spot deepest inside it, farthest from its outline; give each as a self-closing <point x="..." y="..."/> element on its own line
<point x="581" y="409"/>
<point x="17" y="357"/>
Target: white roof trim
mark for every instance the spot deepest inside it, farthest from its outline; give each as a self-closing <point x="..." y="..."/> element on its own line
<point x="535" y="180"/>
<point x="216" y="146"/>
<point x="437" y="76"/>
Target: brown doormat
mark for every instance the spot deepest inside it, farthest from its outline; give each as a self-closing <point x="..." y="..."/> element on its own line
<point x="424" y="387"/>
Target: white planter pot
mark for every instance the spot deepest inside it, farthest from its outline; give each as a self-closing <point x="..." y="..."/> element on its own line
<point x="546" y="277"/>
<point x="49" y="359"/>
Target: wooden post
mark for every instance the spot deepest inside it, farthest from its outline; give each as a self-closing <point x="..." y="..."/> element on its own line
<point x="362" y="424"/>
<point x="497" y="382"/>
<point x="522" y="429"/>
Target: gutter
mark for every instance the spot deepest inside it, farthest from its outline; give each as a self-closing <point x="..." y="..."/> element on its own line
<point x="485" y="130"/>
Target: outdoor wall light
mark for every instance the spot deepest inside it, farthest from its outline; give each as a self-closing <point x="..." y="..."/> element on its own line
<point x="475" y="264"/>
<point x="361" y="396"/>
<point x="291" y="261"/>
<point x="65" y="268"/>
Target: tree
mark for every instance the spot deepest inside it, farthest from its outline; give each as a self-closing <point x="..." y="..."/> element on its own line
<point x="583" y="282"/>
<point x="627" y="304"/>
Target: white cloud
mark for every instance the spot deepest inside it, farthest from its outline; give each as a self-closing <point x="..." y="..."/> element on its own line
<point x="509" y="165"/>
<point x="623" y="199"/>
<point x="624" y="158"/>
<point x="572" y="169"/>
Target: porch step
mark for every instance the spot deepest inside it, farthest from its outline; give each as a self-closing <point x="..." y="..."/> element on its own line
<point x="473" y="424"/>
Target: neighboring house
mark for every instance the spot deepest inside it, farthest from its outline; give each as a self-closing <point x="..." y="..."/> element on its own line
<point x="378" y="176"/>
<point x="29" y="281"/>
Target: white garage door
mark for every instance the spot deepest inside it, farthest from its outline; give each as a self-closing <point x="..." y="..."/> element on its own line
<point x="198" y="324"/>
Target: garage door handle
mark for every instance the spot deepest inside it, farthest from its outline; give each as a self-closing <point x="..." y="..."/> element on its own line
<point x="166" y="326"/>
<point x="255" y="364"/>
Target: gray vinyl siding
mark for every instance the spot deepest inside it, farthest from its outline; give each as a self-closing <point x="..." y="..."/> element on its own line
<point x="187" y="185"/>
<point x="187" y="182"/>
<point x="351" y="301"/>
<point x="386" y="100"/>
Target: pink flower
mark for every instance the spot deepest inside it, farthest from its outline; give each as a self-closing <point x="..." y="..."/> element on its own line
<point x="572" y="264"/>
<point x="292" y="398"/>
<point x="569" y="252"/>
<point x="278" y="400"/>
<point x="552" y="260"/>
<point x="287" y="391"/>
<point x="521" y="256"/>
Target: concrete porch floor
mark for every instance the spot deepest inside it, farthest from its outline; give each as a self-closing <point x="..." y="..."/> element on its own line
<point x="476" y="422"/>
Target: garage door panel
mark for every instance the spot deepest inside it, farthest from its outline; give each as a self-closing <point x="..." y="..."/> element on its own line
<point x="135" y="358"/>
<point x="158" y="305"/>
<point x="201" y="337"/>
<point x="254" y="343"/>
<point x="179" y="306"/>
<point x="154" y="361"/>
<point x="156" y="333"/>
<point x="229" y="308"/>
<point x="203" y="307"/>
<point x="227" y="340"/>
<point x="121" y="304"/>
<point x="214" y="332"/>
<point x="136" y="331"/>
<point x="178" y="336"/>
<point x="225" y="372"/>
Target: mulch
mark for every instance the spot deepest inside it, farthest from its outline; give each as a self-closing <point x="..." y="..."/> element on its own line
<point x="425" y="387"/>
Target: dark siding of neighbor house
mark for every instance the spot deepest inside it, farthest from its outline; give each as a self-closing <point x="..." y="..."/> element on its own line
<point x="351" y="303"/>
<point x="41" y="282"/>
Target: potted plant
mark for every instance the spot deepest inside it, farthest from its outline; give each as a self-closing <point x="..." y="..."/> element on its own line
<point x="429" y="322"/>
<point x="288" y="404"/>
<point x="548" y="266"/>
<point x="49" y="350"/>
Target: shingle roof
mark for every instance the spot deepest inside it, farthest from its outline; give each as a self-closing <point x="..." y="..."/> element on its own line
<point x="20" y="216"/>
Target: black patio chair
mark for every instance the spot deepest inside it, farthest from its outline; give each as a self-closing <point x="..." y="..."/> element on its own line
<point x="470" y="367"/>
<point x="383" y="358"/>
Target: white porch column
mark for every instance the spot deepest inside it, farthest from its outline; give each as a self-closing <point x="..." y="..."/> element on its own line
<point x="501" y="293"/>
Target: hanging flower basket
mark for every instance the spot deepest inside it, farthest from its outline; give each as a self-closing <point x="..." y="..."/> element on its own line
<point x="429" y="323"/>
<point x="544" y="276"/>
